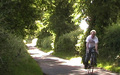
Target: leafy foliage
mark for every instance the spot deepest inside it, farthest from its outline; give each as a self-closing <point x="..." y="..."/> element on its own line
<point x="60" y="20"/>
<point x="110" y="42"/>
<point x="45" y="39"/>
<point x="67" y="42"/>
<point x="44" y="33"/>
<point x="98" y="19"/>
<point x="45" y="43"/>
<point x="102" y="14"/>
<point x="18" y="16"/>
<point x="14" y="57"/>
<point x="110" y="48"/>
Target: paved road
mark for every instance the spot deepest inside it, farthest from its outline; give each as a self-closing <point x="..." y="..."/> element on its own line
<point x="52" y="65"/>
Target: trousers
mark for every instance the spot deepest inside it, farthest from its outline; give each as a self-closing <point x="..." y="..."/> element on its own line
<point x="88" y="55"/>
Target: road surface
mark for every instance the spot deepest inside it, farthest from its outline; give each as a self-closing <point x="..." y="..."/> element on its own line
<point x="52" y="65"/>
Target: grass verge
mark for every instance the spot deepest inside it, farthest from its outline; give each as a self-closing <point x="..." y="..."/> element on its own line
<point x="109" y="66"/>
<point x="27" y="67"/>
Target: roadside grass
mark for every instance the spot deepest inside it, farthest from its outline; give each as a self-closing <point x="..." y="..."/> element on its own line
<point x="109" y="66"/>
<point x="21" y="65"/>
<point x="45" y="50"/>
<point x="29" y="67"/>
<point x="60" y="54"/>
<point x="14" y="58"/>
<point x="63" y="55"/>
<point x="109" y="48"/>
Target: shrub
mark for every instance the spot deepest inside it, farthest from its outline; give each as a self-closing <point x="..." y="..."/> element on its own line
<point x="66" y="43"/>
<point x="45" y="42"/>
<point x="44" y="39"/>
<point x="110" y="46"/>
<point x="15" y="59"/>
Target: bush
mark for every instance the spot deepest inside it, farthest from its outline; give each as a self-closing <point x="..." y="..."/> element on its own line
<point x="110" y="46"/>
<point x="15" y="59"/>
<point x="45" y="39"/>
<point x="45" y="42"/>
<point x="66" y="43"/>
<point x="81" y="46"/>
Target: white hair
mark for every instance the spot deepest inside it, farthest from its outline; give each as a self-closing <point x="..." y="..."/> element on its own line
<point x="93" y="31"/>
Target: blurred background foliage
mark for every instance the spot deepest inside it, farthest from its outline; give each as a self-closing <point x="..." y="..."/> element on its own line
<point x="55" y="23"/>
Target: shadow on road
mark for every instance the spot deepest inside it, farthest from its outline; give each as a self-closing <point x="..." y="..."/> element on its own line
<point x="52" y="65"/>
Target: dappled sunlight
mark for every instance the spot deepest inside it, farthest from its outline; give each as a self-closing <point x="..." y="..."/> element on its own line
<point x="72" y="66"/>
<point x="84" y="25"/>
<point x="38" y="53"/>
<point x="76" y="61"/>
<point x="34" y="41"/>
<point x="108" y="67"/>
<point x="57" y="59"/>
<point x="72" y="62"/>
<point x="50" y="52"/>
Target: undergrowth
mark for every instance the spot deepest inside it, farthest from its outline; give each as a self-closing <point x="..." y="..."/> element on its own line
<point x="110" y="49"/>
<point x="14" y="57"/>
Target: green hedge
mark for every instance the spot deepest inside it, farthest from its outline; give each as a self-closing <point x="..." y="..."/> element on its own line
<point x="45" y="42"/>
<point x="109" y="48"/>
<point x="66" y="43"/>
<point x="110" y="44"/>
<point x="45" y="39"/>
<point x="15" y="59"/>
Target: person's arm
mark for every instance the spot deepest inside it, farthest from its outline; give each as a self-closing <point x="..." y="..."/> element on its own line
<point x="96" y="47"/>
<point x="87" y="44"/>
<point x="87" y="47"/>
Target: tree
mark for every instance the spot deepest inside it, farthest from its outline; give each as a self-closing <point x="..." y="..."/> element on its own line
<point x="101" y="13"/>
<point x="18" y="16"/>
<point x="61" y="20"/>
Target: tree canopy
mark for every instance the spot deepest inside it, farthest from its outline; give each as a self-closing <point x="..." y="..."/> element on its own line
<point x="57" y="22"/>
<point x="18" y="16"/>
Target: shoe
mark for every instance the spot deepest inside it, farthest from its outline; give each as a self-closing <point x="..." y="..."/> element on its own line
<point x="95" y="64"/>
<point x="86" y="66"/>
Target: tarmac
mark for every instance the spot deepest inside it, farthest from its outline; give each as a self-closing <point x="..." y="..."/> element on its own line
<point x="52" y="65"/>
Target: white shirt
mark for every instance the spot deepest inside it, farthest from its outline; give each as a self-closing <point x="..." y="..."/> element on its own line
<point x="91" y="41"/>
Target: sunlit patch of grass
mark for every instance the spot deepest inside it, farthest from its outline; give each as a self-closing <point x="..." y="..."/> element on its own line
<point x="108" y="66"/>
<point x="46" y="50"/>
<point x="59" y="54"/>
<point x="29" y="67"/>
<point x="100" y="65"/>
<point x="117" y="69"/>
<point x="62" y="55"/>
